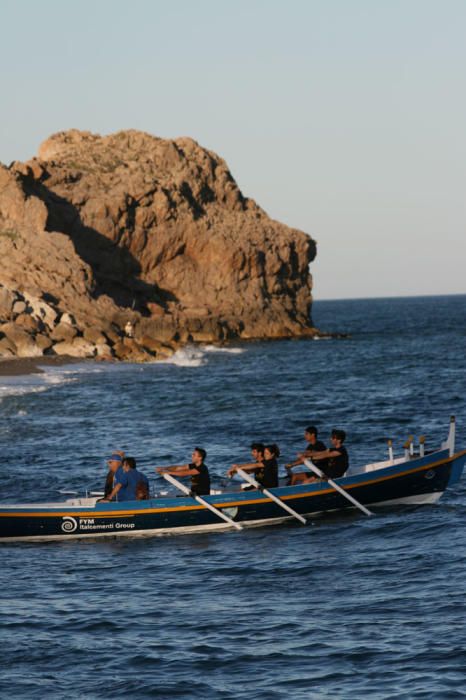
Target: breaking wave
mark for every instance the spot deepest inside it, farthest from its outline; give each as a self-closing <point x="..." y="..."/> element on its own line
<point x="49" y="377"/>
<point x="196" y="356"/>
<point x="19" y="389"/>
<point x="187" y="357"/>
<point x="221" y="348"/>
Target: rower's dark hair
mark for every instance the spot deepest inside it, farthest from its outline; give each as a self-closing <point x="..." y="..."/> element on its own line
<point x="202" y="452"/>
<point x="339" y="434"/>
<point x="259" y="446"/>
<point x="312" y="430"/>
<point x="274" y="449"/>
<point x="130" y="461"/>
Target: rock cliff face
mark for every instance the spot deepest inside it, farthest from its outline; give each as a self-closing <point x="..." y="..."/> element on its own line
<point x="99" y="231"/>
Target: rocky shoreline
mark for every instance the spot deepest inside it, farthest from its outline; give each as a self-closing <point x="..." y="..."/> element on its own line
<point x="128" y="246"/>
<point x="34" y="328"/>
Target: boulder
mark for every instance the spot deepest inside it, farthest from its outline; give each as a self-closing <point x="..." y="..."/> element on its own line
<point x="83" y="348"/>
<point x="23" y="341"/>
<point x="19" y="307"/>
<point x="104" y="351"/>
<point x="78" y="347"/>
<point x="112" y="334"/>
<point x="7" y="347"/>
<point x="41" y="310"/>
<point x="43" y="342"/>
<point x="63" y="332"/>
<point x="94" y="336"/>
<point x="28" y="323"/>
<point x="67" y="319"/>
<point x="129" y="350"/>
<point x="156" y="347"/>
<point x="7" y="301"/>
<point x="63" y="348"/>
<point x="165" y="330"/>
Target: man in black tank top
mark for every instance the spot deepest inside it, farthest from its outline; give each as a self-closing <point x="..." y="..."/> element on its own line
<point x="314" y="445"/>
<point x="265" y="466"/>
<point x="334" y="462"/>
<point x="197" y="470"/>
<point x="257" y="453"/>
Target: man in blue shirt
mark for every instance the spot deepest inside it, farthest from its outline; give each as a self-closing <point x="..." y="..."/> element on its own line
<point x="120" y="479"/>
<point x="137" y="488"/>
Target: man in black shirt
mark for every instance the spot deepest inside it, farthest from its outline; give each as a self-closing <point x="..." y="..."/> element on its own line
<point x="257" y="453"/>
<point x="197" y="470"/>
<point x="333" y="462"/>
<point x="264" y="467"/>
<point x="314" y="445"/>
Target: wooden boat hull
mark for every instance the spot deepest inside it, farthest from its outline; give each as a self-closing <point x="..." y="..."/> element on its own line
<point x="419" y="480"/>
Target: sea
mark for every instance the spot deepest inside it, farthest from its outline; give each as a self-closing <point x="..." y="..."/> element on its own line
<point x="346" y="607"/>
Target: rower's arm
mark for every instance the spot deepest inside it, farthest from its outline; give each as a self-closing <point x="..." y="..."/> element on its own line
<point x="305" y="454"/>
<point x="174" y="468"/>
<point x="296" y="463"/>
<point x="248" y="467"/>
<point x="113" y="493"/>
<point x="324" y="454"/>
<point x="184" y="470"/>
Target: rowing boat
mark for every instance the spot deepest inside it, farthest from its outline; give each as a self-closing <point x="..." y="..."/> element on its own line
<point x="412" y="479"/>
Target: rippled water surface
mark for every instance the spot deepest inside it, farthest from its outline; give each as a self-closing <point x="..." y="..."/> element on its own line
<point x="347" y="607"/>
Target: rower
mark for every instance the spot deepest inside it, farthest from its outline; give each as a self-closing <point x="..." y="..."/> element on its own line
<point x="113" y="464"/>
<point x="265" y="468"/>
<point x="120" y="479"/>
<point x="313" y="445"/>
<point x="257" y="453"/>
<point x="335" y="460"/>
<point x="138" y="484"/>
<point x="197" y="470"/>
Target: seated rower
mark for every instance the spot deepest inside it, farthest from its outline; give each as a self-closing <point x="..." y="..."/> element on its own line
<point x="138" y="484"/>
<point x="333" y="462"/>
<point x="265" y="468"/>
<point x="313" y="445"/>
<point x="119" y="480"/>
<point x="113" y="463"/>
<point x="197" y="470"/>
<point x="257" y="453"/>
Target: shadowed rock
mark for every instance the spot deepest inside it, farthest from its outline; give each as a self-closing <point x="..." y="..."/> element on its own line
<point x="133" y="227"/>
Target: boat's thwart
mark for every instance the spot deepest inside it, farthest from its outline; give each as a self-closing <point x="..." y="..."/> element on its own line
<point x="414" y="479"/>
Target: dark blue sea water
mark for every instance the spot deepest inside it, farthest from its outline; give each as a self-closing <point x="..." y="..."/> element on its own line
<point x="347" y="607"/>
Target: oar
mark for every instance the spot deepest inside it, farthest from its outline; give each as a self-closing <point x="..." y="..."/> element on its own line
<point x="316" y="470"/>
<point x="247" y="477"/>
<point x="200" y="500"/>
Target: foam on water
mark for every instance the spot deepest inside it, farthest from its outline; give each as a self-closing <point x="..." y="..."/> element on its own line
<point x="197" y="356"/>
<point x="19" y="388"/>
<point x="49" y="377"/>
<point x="221" y="348"/>
<point x="187" y="357"/>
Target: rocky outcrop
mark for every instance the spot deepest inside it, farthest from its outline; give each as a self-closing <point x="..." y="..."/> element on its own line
<point x="99" y="231"/>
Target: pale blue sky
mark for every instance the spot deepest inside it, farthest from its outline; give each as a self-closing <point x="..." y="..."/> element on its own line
<point x="346" y="118"/>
